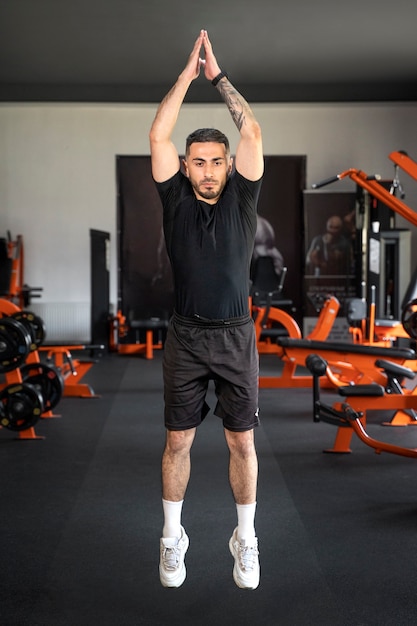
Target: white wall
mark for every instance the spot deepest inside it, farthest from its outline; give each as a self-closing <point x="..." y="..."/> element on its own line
<point x="57" y="168"/>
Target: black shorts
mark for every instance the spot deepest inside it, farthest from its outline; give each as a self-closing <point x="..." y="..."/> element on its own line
<point x="197" y="352"/>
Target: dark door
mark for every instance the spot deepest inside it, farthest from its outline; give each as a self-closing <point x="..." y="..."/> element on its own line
<point x="100" y="286"/>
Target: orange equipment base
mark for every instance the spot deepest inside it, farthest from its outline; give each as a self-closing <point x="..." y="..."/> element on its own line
<point x="146" y="348"/>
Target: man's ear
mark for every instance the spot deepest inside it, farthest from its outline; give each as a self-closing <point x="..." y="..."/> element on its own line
<point x="230" y="166"/>
<point x="184" y="162"/>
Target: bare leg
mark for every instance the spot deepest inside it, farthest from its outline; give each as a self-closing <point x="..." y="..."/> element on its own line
<point x="243" y="473"/>
<point x="174" y="543"/>
<point x="176" y="464"/>
<point x="243" y="465"/>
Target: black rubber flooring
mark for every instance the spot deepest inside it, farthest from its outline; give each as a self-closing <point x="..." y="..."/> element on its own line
<point x="81" y="517"/>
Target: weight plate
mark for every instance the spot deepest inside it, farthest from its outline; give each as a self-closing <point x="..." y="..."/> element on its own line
<point x="409" y="319"/>
<point x="21" y="406"/>
<point x="47" y="380"/>
<point x="15" y="342"/>
<point x="35" y="325"/>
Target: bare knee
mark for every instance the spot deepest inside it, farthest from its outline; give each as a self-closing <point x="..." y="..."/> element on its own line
<point x="179" y="441"/>
<point x="241" y="444"/>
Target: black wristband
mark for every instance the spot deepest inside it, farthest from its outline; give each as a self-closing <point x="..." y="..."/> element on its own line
<point x="217" y="78"/>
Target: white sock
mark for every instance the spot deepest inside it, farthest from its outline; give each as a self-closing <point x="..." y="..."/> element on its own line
<point x="246" y="521"/>
<point x="172" y="518"/>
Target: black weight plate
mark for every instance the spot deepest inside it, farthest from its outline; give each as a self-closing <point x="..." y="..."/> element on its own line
<point x="23" y="320"/>
<point x="47" y="379"/>
<point x="15" y="343"/>
<point x="35" y="324"/>
<point x="21" y="406"/>
<point x="409" y="319"/>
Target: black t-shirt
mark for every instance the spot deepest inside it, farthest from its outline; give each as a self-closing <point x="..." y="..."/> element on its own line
<point x="210" y="246"/>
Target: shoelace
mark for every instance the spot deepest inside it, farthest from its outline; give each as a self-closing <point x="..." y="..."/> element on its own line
<point x="170" y="558"/>
<point x="247" y="557"/>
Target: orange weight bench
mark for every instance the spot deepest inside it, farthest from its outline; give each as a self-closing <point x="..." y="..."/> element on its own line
<point x="350" y="415"/>
<point x="270" y="324"/>
<point x="350" y="363"/>
<point x="267" y="336"/>
<point x="149" y="327"/>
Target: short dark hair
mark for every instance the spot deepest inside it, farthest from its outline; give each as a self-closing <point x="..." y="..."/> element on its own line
<point x="204" y="135"/>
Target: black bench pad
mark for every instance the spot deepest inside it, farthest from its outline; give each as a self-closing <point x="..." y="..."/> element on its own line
<point x="353" y="348"/>
<point x="361" y="390"/>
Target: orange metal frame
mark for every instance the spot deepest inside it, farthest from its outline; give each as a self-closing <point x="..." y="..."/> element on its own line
<point x="406" y="163"/>
<point x="321" y="331"/>
<point x="15" y="377"/>
<point x="379" y="334"/>
<point x="379" y="192"/>
<point x="15" y="252"/>
<point x="384" y="333"/>
<point x="267" y="346"/>
<point x="145" y="348"/>
<point x="350" y="364"/>
<point x="119" y="328"/>
<point x="288" y="377"/>
<point x="362" y="404"/>
<point x="72" y="369"/>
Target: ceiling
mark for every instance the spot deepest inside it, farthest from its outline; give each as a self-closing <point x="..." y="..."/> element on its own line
<point x="273" y="50"/>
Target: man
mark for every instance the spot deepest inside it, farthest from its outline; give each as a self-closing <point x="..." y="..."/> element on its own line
<point x="265" y="244"/>
<point x="209" y="227"/>
<point x="330" y="253"/>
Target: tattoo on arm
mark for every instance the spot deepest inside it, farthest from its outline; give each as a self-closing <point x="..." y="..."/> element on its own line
<point x="234" y="102"/>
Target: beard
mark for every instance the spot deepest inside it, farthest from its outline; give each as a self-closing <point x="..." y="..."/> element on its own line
<point x="210" y="192"/>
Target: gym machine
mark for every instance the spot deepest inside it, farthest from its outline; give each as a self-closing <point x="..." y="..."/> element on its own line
<point x="12" y="285"/>
<point x="147" y="335"/>
<point x="384" y="252"/>
<point x="349" y="415"/>
<point x="289" y="377"/>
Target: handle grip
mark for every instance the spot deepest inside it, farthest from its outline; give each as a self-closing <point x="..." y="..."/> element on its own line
<point x="327" y="181"/>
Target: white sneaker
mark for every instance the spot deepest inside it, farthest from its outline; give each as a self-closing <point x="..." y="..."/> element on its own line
<point x="246" y="570"/>
<point x="172" y="570"/>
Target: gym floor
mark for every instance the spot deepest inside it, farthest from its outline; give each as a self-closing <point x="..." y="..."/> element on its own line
<point x="81" y="517"/>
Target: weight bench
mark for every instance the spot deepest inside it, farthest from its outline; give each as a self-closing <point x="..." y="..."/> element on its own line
<point x="349" y="415"/>
<point x="267" y="335"/>
<point x="350" y="363"/>
<point x="149" y="327"/>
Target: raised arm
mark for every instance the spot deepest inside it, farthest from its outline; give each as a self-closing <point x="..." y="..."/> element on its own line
<point x="249" y="159"/>
<point x="164" y="155"/>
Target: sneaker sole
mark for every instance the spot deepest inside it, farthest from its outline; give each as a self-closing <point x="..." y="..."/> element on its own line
<point x="174" y="582"/>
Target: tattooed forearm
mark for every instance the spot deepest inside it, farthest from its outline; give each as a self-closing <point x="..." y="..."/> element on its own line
<point x="236" y="104"/>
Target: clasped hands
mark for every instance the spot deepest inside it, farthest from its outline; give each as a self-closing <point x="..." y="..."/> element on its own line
<point x="195" y="62"/>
